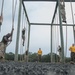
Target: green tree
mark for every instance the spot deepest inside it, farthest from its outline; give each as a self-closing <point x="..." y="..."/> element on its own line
<point x="9" y="56"/>
<point x="33" y="57"/>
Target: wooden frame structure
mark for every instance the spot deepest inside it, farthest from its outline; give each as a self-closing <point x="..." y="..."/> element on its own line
<point x="60" y="24"/>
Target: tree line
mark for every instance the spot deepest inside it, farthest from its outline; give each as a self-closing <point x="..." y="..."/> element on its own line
<point x="33" y="57"/>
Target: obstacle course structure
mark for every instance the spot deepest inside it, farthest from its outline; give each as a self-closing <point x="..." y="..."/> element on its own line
<point x="57" y="7"/>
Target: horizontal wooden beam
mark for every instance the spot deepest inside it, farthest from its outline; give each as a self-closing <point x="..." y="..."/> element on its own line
<point x="50" y="0"/>
<point x="51" y="24"/>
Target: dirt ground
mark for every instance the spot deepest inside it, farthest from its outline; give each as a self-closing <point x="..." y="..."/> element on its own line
<point x="34" y="68"/>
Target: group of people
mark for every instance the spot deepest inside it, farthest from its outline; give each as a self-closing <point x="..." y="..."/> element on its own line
<point x="71" y="49"/>
<point x="7" y="38"/>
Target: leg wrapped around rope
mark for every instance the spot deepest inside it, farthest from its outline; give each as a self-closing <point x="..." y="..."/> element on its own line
<point x="60" y="57"/>
<point x="62" y="10"/>
<point x="1" y="19"/>
<point x="63" y="15"/>
<point x="23" y="37"/>
<point x="0" y="23"/>
<point x="2" y="51"/>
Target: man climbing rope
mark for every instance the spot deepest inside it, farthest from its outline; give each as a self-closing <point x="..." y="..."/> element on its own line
<point x="23" y="36"/>
<point x="62" y="10"/>
<point x="72" y="49"/>
<point x="4" y="43"/>
<point x="59" y="50"/>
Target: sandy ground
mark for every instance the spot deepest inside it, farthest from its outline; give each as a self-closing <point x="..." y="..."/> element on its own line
<point x="34" y="68"/>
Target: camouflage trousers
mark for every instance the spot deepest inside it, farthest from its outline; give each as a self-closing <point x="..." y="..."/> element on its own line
<point x="63" y="14"/>
<point x="60" y="57"/>
<point x="39" y="58"/>
<point x="23" y="38"/>
<point x="2" y="50"/>
<point x="0" y="23"/>
<point x="73" y="56"/>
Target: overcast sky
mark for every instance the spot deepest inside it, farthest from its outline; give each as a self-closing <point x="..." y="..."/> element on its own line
<point x="38" y="12"/>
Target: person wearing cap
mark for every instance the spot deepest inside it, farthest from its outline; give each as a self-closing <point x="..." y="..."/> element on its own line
<point x="72" y="49"/>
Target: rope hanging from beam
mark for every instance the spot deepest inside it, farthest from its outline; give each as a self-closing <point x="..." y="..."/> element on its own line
<point x="72" y="11"/>
<point x="23" y="30"/>
<point x="49" y="0"/>
<point x="21" y="42"/>
<point x="23" y="37"/>
<point x="66" y="42"/>
<point x="58" y="40"/>
<point x="13" y="16"/>
<point x="1" y="16"/>
<point x="13" y="11"/>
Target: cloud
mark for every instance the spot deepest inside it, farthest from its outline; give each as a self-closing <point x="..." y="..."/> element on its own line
<point x="40" y="37"/>
<point x="42" y="12"/>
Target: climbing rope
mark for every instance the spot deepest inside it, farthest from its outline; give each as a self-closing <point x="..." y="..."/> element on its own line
<point x="13" y="12"/>
<point x="23" y="36"/>
<point x="26" y="39"/>
<point x="66" y="42"/>
<point x="21" y="46"/>
<point x="57" y="43"/>
<point x="1" y="16"/>
<point x="23" y="27"/>
<point x="13" y="17"/>
<point x="72" y="17"/>
<point x="72" y="11"/>
<point x="65" y="54"/>
<point x="2" y="7"/>
<point x="21" y="50"/>
<point x="55" y="39"/>
<point x="56" y="35"/>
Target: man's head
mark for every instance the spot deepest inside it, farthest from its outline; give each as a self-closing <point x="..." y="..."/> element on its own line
<point x="58" y="45"/>
<point x="39" y="48"/>
<point x="8" y="35"/>
<point x="72" y="44"/>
